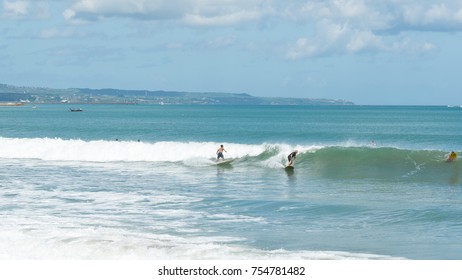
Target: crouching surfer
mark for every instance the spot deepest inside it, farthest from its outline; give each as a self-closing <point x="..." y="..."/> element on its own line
<point x="452" y="156"/>
<point x="291" y="157"/>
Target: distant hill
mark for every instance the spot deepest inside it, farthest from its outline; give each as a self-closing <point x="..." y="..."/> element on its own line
<point x="10" y="93"/>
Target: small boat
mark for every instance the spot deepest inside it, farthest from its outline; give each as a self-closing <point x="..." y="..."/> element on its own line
<point x="76" y="109"/>
<point x="11" y="104"/>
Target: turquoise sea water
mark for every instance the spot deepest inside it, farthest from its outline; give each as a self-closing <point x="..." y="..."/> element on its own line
<point x="140" y="182"/>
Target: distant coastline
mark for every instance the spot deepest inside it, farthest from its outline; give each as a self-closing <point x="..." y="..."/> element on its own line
<point x="37" y="95"/>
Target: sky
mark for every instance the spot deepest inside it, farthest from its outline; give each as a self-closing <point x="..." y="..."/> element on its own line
<point x="370" y="52"/>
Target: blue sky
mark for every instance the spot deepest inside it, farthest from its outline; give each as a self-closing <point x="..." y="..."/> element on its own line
<point x="395" y="52"/>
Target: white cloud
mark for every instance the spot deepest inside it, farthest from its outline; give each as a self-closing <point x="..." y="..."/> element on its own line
<point x="89" y="10"/>
<point x="357" y="13"/>
<point x="444" y="16"/>
<point x="302" y="48"/>
<point x="22" y="9"/>
<point x="334" y="38"/>
<point x="362" y="41"/>
<point x="368" y="15"/>
<point x="15" y="9"/>
<point x="198" y="12"/>
<point x="340" y="26"/>
<point x="405" y="45"/>
<point x="232" y="18"/>
<point x="355" y="26"/>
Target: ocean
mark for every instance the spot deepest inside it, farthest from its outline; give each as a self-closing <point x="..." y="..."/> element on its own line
<point x="141" y="182"/>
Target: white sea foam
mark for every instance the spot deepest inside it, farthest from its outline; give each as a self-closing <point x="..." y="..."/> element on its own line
<point x="191" y="153"/>
<point x="99" y="243"/>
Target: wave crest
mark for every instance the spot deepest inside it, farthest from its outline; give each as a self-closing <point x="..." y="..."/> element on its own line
<point x="323" y="161"/>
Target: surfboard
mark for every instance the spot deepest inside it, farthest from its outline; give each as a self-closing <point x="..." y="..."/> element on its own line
<point x="289" y="167"/>
<point x="226" y="161"/>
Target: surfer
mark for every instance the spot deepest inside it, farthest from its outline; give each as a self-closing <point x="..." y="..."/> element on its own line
<point x="452" y="156"/>
<point x="220" y="152"/>
<point x="291" y="157"/>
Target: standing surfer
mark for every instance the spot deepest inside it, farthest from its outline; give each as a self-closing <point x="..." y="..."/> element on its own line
<point x="220" y="152"/>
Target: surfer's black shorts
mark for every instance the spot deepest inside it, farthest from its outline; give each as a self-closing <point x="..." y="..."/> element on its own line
<point x="220" y="155"/>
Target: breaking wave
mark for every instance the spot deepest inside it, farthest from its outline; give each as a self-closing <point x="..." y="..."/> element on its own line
<point x="320" y="160"/>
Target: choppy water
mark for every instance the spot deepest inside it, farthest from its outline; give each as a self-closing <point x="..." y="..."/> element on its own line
<point x="140" y="182"/>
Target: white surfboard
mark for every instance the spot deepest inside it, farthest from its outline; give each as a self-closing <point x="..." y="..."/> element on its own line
<point x="223" y="162"/>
